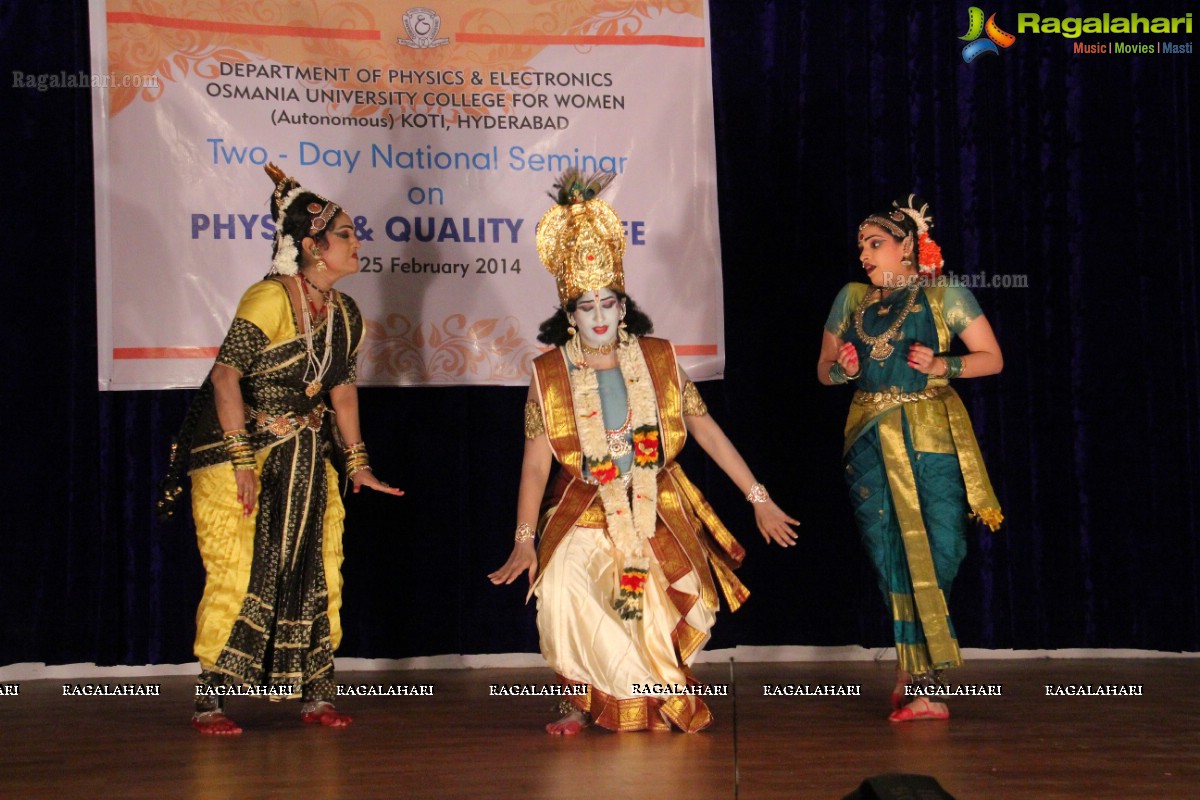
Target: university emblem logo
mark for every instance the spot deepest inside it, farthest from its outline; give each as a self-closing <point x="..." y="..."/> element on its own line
<point x="422" y="25"/>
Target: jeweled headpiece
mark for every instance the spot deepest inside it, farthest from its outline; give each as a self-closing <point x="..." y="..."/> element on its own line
<point x="580" y="239"/>
<point x="929" y="255"/>
<point x="286" y="191"/>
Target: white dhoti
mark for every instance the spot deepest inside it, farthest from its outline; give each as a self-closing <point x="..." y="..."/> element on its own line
<point x="630" y="665"/>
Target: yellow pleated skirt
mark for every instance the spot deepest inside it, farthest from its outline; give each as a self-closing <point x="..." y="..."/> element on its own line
<point x="226" y="540"/>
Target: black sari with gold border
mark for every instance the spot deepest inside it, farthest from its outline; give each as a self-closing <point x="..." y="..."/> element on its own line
<point x="281" y="637"/>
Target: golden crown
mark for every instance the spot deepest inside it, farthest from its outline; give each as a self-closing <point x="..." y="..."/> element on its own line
<point x="580" y="239"/>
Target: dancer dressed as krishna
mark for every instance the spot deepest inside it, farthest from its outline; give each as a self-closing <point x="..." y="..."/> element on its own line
<point x="631" y="555"/>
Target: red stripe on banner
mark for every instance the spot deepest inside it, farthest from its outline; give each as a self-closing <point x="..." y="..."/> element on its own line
<point x="134" y="18"/>
<point x="696" y="349"/>
<point x="541" y="39"/>
<point x="130" y="353"/>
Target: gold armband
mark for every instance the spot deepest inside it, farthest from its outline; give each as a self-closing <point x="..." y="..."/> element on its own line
<point x="693" y="403"/>
<point x="534" y="425"/>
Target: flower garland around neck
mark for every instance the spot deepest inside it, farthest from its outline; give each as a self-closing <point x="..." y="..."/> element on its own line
<point x="631" y="522"/>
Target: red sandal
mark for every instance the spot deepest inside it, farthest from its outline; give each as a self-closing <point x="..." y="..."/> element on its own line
<point x="324" y="713"/>
<point x="215" y="723"/>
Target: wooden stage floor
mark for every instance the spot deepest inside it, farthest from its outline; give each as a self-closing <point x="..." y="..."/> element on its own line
<point x="463" y="743"/>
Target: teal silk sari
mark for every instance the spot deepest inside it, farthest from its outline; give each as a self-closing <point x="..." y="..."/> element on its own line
<point x="912" y="464"/>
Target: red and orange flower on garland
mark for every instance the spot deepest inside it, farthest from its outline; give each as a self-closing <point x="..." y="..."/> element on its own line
<point x="633" y="586"/>
<point x="645" y="446"/>
<point x="604" y="470"/>
<point x="633" y="579"/>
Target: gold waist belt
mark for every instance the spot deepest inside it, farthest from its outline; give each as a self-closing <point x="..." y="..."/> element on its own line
<point x="891" y="398"/>
<point x="594" y="516"/>
<point x="287" y="423"/>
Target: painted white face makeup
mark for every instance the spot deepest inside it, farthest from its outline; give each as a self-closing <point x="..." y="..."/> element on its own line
<point x="596" y="317"/>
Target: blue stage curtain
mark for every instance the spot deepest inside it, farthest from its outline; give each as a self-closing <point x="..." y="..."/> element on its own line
<point x="1077" y="171"/>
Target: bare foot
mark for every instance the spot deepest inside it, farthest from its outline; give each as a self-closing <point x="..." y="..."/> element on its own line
<point x="920" y="709"/>
<point x="569" y="725"/>
<point x="323" y="713"/>
<point x="214" y="723"/>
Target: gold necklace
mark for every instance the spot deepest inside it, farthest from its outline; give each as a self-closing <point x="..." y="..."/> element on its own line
<point x="603" y="350"/>
<point x="881" y="346"/>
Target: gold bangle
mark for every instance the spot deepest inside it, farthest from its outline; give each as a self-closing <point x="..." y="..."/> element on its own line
<point x="356" y="459"/>
<point x="524" y="533"/>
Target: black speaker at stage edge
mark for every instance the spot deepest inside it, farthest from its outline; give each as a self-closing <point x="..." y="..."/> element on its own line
<point x="899" y="787"/>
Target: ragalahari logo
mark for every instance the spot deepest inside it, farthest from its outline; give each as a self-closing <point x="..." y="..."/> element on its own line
<point x="976" y="27"/>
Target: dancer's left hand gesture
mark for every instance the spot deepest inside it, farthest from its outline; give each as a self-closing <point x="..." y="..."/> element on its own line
<point x="364" y="477"/>
<point x="925" y="361"/>
<point x="775" y="525"/>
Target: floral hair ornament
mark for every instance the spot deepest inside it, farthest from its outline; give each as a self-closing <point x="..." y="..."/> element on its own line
<point x="580" y="239"/>
<point x="929" y="255"/>
<point x="287" y="189"/>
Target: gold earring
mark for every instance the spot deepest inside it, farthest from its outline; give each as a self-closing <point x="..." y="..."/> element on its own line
<point x="319" y="264"/>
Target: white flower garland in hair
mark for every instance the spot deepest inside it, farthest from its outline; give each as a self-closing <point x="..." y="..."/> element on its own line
<point x="287" y="200"/>
<point x="630" y="525"/>
<point x="286" y="254"/>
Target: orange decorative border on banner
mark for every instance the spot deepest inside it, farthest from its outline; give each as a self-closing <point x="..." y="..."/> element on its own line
<point x="177" y="23"/>
<point x="130" y="353"/>
<point x="547" y="39"/>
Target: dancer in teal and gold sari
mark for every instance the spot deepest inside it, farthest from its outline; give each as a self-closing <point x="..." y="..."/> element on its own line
<point x="912" y="464"/>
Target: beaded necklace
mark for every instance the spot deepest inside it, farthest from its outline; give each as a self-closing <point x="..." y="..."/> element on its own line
<point x="314" y="369"/>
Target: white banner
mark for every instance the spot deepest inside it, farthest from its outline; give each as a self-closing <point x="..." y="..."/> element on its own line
<point x="440" y="129"/>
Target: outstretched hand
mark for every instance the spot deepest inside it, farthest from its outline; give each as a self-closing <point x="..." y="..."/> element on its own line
<point x="522" y="559"/>
<point x="365" y="477"/>
<point x="775" y="525"/>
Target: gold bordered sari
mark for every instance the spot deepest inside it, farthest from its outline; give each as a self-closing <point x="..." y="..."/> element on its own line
<point x="913" y="467"/>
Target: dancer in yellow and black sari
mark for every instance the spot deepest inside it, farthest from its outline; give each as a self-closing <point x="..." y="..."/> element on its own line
<point x="911" y="460"/>
<point x="631" y="554"/>
<point x="256" y="443"/>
